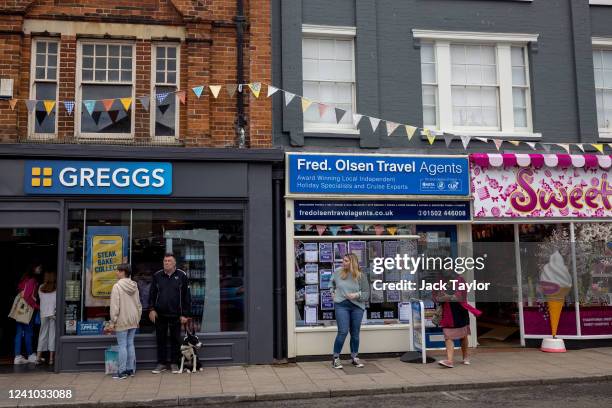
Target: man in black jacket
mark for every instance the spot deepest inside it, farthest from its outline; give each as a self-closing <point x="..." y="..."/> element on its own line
<point x="170" y="305"/>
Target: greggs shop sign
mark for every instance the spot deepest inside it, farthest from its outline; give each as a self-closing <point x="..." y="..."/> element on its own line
<point x="561" y="192"/>
<point x="57" y="177"/>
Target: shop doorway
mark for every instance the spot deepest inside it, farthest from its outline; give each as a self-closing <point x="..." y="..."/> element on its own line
<point x="498" y="326"/>
<point x="21" y="249"/>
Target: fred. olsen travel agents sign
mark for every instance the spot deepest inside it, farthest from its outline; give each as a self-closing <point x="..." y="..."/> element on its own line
<point x="58" y="177"/>
<point x="377" y="175"/>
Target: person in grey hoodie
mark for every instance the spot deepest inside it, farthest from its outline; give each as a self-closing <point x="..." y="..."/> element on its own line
<point x="125" y="314"/>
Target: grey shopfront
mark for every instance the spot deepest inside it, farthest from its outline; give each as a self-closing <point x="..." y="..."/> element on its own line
<point x="217" y="218"/>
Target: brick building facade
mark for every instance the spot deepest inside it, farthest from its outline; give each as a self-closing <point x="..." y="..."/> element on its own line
<point x="203" y="33"/>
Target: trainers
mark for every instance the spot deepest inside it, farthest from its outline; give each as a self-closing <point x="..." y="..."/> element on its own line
<point x="159" y="368"/>
<point x="20" y="360"/>
<point x="174" y="368"/>
<point x="337" y="363"/>
<point x="131" y="373"/>
<point x="120" y="376"/>
<point x="357" y="363"/>
<point x="446" y="363"/>
<point x="32" y="358"/>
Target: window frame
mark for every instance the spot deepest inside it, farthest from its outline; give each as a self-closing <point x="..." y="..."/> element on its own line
<point x="32" y="134"/>
<point x="310" y="31"/>
<point x="601" y="44"/>
<point x="503" y="43"/>
<point x="78" y="103"/>
<point x="153" y="101"/>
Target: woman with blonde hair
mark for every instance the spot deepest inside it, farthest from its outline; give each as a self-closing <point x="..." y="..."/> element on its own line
<point x="351" y="290"/>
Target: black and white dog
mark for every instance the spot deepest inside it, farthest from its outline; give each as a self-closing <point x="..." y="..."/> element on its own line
<point x="189" y="350"/>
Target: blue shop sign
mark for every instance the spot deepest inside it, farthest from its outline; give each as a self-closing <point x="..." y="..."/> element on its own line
<point x="382" y="210"/>
<point x="88" y="177"/>
<point x="377" y="175"/>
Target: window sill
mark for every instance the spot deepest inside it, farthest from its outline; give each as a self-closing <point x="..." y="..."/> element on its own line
<point x="41" y="137"/>
<point x="605" y="134"/>
<point x="347" y="131"/>
<point x="487" y="133"/>
<point x="105" y="136"/>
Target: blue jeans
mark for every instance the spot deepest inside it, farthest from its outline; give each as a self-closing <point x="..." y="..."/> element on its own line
<point x="348" y="318"/>
<point x="23" y="330"/>
<point x="127" y="353"/>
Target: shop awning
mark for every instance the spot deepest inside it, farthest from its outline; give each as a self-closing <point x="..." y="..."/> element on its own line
<point x="540" y="160"/>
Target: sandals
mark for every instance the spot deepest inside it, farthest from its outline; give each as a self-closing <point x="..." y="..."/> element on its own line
<point x="446" y="363"/>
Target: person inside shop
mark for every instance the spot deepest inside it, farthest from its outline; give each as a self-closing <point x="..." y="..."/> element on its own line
<point x="27" y="289"/>
<point x="46" y="339"/>
<point x="455" y="319"/>
<point x="125" y="311"/>
<point x="170" y="306"/>
<point x="351" y="290"/>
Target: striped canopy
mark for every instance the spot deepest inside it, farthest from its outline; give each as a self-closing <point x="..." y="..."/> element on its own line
<point x="540" y="160"/>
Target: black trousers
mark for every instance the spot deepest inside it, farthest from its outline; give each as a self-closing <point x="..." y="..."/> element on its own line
<point x="163" y="325"/>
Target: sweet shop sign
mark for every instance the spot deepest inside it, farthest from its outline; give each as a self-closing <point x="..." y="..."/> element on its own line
<point x="545" y="192"/>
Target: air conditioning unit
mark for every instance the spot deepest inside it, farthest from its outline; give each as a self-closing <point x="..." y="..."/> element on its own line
<point x="6" y="88"/>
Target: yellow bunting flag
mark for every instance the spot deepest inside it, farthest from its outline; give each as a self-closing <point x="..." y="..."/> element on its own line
<point x="12" y="103"/>
<point x="430" y="138"/>
<point x="126" y="103"/>
<point x="255" y="88"/>
<point x="410" y="131"/>
<point x="598" y="146"/>
<point x="306" y="104"/>
<point x="514" y="142"/>
<point x="49" y="105"/>
<point x="392" y="230"/>
<point x="215" y="89"/>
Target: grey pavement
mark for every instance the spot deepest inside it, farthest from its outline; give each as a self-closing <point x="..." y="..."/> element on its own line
<point x="490" y="368"/>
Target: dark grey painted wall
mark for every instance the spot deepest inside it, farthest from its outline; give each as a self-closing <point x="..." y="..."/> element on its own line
<point x="388" y="63"/>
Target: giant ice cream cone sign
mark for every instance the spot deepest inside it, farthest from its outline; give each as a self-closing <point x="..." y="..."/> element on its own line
<point x="555" y="282"/>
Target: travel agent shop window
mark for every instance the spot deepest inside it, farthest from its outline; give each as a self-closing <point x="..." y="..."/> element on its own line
<point x="42" y="120"/>
<point x="476" y="83"/>
<point x="105" y="71"/>
<point x="208" y="245"/>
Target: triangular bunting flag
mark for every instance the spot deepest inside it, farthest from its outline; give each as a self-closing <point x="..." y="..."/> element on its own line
<point x="321" y="229"/>
<point x="112" y="114"/>
<point x="255" y="88"/>
<point x="307" y="227"/>
<point x="163" y="108"/>
<point x="298" y="227"/>
<point x="483" y="139"/>
<point x="448" y="139"/>
<point x="498" y="143"/>
<point x="374" y="122"/>
<point x="410" y="131"/>
<point x="580" y="146"/>
<point x="108" y="103"/>
<point x="430" y="137"/>
<point x="31" y="104"/>
<point x="161" y="97"/>
<point x="356" y="119"/>
<point x="598" y="146"/>
<point x="566" y="147"/>
<point x="12" y="103"/>
<point x="145" y="101"/>
<point x="514" y="142"/>
<point x="49" y="105"/>
<point x="69" y="105"/>
<point x="197" y="90"/>
<point x="322" y="109"/>
<point x="359" y="227"/>
<point x="392" y="230"/>
<point x="391" y="126"/>
<point x="126" y="103"/>
<point x="181" y="96"/>
<point x="546" y="147"/>
<point x="288" y="97"/>
<point x="379" y="229"/>
<point x="90" y="106"/>
<point x="271" y="90"/>
<point x="531" y="144"/>
<point x="40" y="116"/>
<point x="339" y="114"/>
<point x="610" y="145"/>
<point x="231" y="89"/>
<point x="306" y="104"/>
<point x="334" y="229"/>
<point x="465" y="141"/>
<point x="215" y="89"/>
<point x="96" y="116"/>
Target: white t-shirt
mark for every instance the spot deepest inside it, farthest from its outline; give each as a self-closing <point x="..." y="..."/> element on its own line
<point x="47" y="303"/>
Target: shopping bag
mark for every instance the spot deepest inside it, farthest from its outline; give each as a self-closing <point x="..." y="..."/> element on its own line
<point x="21" y="311"/>
<point x="111" y="360"/>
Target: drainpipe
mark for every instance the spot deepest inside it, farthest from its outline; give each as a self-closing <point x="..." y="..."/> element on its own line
<point x="240" y="21"/>
<point x="280" y="324"/>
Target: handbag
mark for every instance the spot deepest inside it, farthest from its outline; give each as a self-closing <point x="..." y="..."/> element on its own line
<point x="437" y="316"/>
<point x="111" y="360"/>
<point x="21" y="311"/>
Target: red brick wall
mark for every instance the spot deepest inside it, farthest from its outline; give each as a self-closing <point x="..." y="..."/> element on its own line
<point x="208" y="57"/>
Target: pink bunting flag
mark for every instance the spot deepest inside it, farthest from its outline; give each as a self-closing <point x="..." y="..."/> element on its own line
<point x="322" y="109"/>
<point x="321" y="229"/>
<point x="379" y="229"/>
<point x="498" y="143"/>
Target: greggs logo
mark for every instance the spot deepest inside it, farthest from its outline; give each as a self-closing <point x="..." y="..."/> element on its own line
<point x="79" y="177"/>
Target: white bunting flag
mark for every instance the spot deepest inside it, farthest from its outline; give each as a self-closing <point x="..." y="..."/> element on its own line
<point x="580" y="146"/>
<point x="564" y="146"/>
<point x="498" y="143"/>
<point x="288" y="98"/>
<point x="356" y="118"/>
<point x="448" y="139"/>
<point x="483" y="139"/>
<point x="531" y="144"/>
<point x="374" y="122"/>
<point x="215" y="89"/>
<point x="271" y="90"/>
<point x="465" y="141"/>
<point x="391" y="126"/>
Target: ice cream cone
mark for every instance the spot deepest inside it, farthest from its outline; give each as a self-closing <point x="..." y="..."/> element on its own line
<point x="555" y="303"/>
